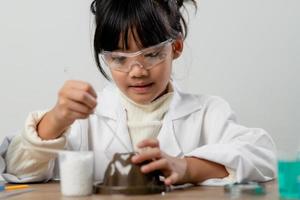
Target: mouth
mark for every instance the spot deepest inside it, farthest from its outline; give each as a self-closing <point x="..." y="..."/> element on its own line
<point x="141" y="87"/>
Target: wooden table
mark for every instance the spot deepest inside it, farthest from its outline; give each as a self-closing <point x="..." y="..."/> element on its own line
<point x="51" y="191"/>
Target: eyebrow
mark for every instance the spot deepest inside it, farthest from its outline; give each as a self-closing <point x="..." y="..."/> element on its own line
<point x="158" y="46"/>
<point x="144" y="49"/>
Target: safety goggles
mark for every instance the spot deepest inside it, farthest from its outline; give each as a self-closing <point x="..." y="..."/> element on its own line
<point x="147" y="58"/>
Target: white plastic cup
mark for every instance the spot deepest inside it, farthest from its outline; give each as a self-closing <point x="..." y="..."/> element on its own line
<point x="76" y="172"/>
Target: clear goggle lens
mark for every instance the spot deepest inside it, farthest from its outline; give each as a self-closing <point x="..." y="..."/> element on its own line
<point x="147" y="58"/>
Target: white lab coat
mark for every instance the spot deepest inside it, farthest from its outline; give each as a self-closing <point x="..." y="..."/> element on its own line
<point x="195" y="125"/>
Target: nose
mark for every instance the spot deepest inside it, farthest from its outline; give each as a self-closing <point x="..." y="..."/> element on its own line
<point x="137" y="70"/>
<point x="136" y="64"/>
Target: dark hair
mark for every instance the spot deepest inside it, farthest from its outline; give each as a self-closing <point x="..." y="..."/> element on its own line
<point x="150" y="22"/>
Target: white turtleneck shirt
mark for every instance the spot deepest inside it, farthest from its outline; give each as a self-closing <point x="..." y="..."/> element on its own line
<point x="145" y="120"/>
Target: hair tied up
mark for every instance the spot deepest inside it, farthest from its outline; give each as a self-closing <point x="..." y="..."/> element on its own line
<point x="181" y="2"/>
<point x="93" y="7"/>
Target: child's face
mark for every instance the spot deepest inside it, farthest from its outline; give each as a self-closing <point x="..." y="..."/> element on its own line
<point x="144" y="85"/>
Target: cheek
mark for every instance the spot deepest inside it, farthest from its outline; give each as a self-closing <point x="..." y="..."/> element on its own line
<point x="119" y="78"/>
<point x="164" y="71"/>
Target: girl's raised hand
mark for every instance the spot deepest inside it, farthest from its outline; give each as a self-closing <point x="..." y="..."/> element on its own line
<point x="174" y="169"/>
<point x="76" y="100"/>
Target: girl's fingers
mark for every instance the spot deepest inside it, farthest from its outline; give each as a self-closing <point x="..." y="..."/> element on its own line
<point x="161" y="164"/>
<point x="78" y="107"/>
<point x="78" y="115"/>
<point x="173" y="178"/>
<point x="152" y="142"/>
<point x="81" y="97"/>
<point x="147" y="154"/>
<point x="67" y="114"/>
<point x="169" y="166"/>
<point x="81" y="85"/>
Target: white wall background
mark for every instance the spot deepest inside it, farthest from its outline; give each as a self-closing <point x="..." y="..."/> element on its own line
<point x="246" y="51"/>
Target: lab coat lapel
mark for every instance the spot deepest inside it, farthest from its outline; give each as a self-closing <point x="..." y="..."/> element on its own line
<point x="167" y="139"/>
<point x="112" y="112"/>
<point x="122" y="130"/>
<point x="181" y="105"/>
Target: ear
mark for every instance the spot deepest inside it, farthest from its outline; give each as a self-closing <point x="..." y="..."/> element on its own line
<point x="177" y="47"/>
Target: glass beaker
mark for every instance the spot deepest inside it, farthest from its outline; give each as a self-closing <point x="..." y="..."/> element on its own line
<point x="288" y="163"/>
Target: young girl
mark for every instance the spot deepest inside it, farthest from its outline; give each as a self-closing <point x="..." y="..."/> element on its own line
<point x="189" y="138"/>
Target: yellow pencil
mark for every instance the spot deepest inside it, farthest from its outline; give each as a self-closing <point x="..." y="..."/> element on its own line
<point x="15" y="187"/>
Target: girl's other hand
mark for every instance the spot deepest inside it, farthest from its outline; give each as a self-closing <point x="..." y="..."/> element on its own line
<point x="174" y="169"/>
<point x="76" y="100"/>
<point x="177" y="170"/>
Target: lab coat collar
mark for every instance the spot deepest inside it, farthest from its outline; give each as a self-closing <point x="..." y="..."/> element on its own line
<point x="182" y="104"/>
<point x="110" y="107"/>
